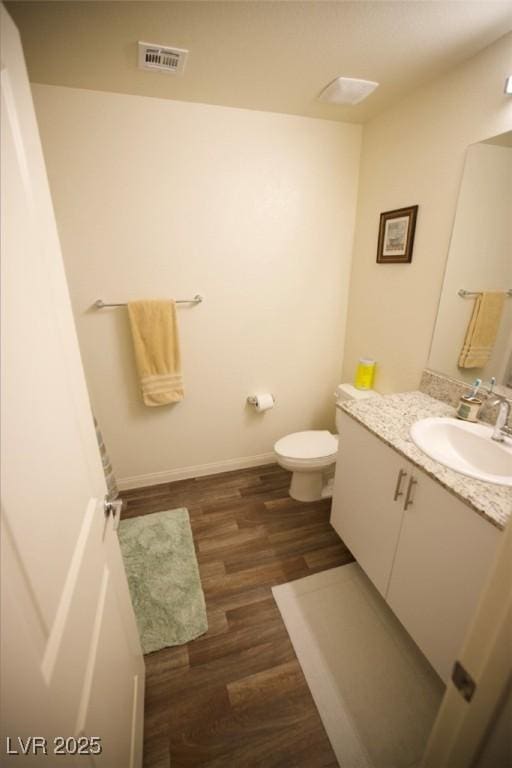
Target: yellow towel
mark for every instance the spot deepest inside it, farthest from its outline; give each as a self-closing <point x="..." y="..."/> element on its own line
<point x="157" y="350"/>
<point x="482" y="330"/>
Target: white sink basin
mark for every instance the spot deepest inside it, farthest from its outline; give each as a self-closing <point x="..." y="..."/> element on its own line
<point x="465" y="447"/>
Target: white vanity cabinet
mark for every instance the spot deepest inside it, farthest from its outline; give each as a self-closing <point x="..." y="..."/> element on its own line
<point x="368" y="499"/>
<point x="426" y="551"/>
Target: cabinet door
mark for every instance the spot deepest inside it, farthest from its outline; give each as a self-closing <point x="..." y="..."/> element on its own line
<point x="364" y="512"/>
<point x="443" y="556"/>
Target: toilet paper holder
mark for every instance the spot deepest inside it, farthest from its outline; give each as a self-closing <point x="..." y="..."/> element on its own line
<point x="253" y="399"/>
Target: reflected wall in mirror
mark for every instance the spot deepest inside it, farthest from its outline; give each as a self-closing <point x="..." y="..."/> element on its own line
<point x="479" y="259"/>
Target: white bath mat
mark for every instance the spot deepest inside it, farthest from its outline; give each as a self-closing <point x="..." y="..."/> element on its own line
<point x="375" y="692"/>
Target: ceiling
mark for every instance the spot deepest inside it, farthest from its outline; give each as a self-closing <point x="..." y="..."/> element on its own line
<point x="273" y="56"/>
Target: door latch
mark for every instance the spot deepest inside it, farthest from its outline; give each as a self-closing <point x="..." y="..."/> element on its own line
<point x="463" y="681"/>
<point x="114" y="509"/>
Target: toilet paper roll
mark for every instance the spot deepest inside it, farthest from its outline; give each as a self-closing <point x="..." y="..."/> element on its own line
<point x="263" y="402"/>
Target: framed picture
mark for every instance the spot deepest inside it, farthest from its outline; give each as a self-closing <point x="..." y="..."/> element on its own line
<point x="396" y="236"/>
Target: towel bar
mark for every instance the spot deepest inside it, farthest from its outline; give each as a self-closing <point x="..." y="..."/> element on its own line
<point x="100" y="304"/>
<point x="464" y="294"/>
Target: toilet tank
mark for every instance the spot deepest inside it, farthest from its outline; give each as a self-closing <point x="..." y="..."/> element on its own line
<point x="345" y="392"/>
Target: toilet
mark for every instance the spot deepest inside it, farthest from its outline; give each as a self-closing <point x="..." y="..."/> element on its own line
<point x="311" y="454"/>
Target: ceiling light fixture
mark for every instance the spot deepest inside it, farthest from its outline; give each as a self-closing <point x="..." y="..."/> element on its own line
<point x="347" y="90"/>
<point x="508" y="85"/>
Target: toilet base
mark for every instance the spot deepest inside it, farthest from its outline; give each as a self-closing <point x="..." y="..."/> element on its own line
<point x="307" y="486"/>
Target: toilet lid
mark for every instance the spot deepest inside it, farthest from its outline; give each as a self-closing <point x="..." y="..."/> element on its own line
<point x="312" y="444"/>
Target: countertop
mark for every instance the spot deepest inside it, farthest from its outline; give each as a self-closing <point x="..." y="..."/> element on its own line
<point x="390" y="417"/>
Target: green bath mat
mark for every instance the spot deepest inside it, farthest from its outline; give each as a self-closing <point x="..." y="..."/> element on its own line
<point x="163" y="576"/>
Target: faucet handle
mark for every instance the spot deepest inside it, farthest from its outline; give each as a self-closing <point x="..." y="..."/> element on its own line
<point x="501" y="427"/>
<point x="489" y="388"/>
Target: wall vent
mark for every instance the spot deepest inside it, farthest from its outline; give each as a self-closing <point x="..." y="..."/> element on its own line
<point x="162" y="57"/>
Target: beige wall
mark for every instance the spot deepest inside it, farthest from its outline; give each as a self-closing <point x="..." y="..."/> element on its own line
<point x="414" y="154"/>
<point x="255" y="210"/>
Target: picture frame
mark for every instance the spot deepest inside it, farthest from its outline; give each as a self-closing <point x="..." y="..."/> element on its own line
<point x="396" y="235"/>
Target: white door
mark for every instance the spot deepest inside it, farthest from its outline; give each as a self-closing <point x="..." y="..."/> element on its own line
<point x="472" y="729"/>
<point x="71" y="664"/>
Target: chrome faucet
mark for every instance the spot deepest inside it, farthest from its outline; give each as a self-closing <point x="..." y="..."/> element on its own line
<point x="501" y="428"/>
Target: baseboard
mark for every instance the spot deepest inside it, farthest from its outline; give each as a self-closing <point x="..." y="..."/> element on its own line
<point x="184" y="473"/>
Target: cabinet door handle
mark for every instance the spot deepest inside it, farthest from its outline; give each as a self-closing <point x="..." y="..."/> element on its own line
<point x="398" y="491"/>
<point x="408" y="501"/>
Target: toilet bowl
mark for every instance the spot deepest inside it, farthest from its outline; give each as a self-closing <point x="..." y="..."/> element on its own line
<point x="311" y="454"/>
<point x="307" y="455"/>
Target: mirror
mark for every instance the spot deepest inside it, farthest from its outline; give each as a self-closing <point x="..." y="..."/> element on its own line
<point x="479" y="259"/>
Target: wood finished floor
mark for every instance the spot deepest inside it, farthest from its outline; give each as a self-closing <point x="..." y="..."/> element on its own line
<point x="237" y="696"/>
